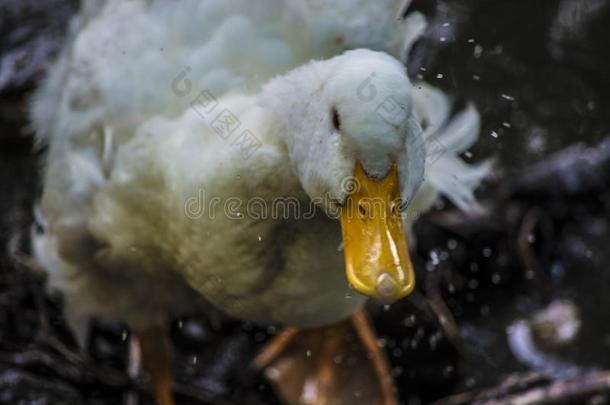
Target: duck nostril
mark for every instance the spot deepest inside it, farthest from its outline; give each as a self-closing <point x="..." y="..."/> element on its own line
<point x="362" y="210"/>
<point x="398" y="207"/>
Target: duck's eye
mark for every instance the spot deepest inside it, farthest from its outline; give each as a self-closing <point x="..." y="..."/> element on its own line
<point x="336" y="119"/>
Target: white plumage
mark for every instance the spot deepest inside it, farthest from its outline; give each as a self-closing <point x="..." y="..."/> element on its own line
<point x="132" y="146"/>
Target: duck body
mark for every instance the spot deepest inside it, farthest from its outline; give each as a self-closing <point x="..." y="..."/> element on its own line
<point x="154" y="206"/>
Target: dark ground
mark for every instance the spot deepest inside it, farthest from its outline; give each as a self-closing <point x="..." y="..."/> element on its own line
<point x="537" y="71"/>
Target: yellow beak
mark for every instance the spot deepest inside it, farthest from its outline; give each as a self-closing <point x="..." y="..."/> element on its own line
<point x="377" y="260"/>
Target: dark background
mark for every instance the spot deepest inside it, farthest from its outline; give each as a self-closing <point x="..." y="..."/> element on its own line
<point x="538" y="73"/>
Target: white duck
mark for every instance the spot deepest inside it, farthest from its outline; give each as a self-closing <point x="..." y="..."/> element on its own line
<point x="173" y="129"/>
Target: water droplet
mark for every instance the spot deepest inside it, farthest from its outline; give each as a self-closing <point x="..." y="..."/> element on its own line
<point x="434" y="257"/>
<point x="432" y="341"/>
<point x="409" y="321"/>
<point x="397" y="371"/>
<point x="478" y="50"/>
<point x="448" y="370"/>
<point x="273" y="373"/>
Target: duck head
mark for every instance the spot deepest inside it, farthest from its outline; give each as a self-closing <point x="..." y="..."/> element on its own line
<point x="358" y="151"/>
